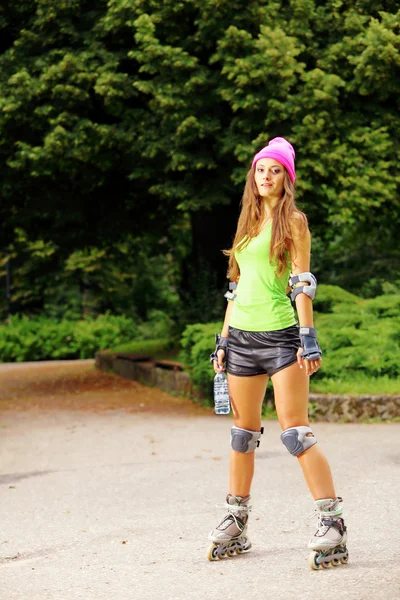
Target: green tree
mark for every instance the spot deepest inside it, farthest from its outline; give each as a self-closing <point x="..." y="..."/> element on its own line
<point x="136" y="117"/>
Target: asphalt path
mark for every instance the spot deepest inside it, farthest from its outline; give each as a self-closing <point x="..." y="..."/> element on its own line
<point x="117" y="504"/>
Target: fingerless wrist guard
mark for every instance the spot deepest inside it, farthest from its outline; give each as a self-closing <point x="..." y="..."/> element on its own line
<point x="220" y="343"/>
<point x="309" y="343"/>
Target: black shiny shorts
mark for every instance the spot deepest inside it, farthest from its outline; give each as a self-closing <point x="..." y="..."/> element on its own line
<point x="261" y="352"/>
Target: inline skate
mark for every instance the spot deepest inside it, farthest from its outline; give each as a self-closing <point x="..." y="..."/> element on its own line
<point x="328" y="544"/>
<point x="229" y="537"/>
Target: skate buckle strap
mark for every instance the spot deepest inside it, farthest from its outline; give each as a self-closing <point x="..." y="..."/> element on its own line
<point x="330" y="508"/>
<point x="235" y="508"/>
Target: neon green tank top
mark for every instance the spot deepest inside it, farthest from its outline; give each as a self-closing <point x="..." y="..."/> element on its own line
<point x="261" y="303"/>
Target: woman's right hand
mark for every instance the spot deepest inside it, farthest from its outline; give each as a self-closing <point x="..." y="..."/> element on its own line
<point x="219" y="365"/>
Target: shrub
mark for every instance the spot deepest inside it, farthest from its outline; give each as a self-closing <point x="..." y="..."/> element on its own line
<point x="358" y="336"/>
<point x="330" y="297"/>
<point x="160" y="348"/>
<point x="197" y="344"/>
<point x="39" y="338"/>
<point x="372" y="349"/>
<point x="158" y="325"/>
<point x="383" y="306"/>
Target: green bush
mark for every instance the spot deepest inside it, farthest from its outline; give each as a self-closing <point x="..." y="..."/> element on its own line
<point x="330" y="297"/>
<point x="38" y="338"/>
<point x="159" y="325"/>
<point x="160" y="348"/>
<point x="357" y="336"/>
<point x="384" y="306"/>
<point x="360" y="340"/>
<point x="197" y="344"/>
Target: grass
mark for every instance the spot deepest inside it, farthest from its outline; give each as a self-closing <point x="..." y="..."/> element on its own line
<point x="356" y="386"/>
<point x="162" y="349"/>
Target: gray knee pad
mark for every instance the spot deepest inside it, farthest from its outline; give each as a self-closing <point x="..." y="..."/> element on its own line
<point x="296" y="439"/>
<point x="245" y="440"/>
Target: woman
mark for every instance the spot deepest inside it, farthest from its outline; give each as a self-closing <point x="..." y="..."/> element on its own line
<point x="260" y="339"/>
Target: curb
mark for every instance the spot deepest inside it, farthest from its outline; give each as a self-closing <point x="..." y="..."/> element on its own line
<point x="353" y="409"/>
<point x="165" y="375"/>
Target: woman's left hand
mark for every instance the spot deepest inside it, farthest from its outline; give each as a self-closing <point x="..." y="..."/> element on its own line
<point x="311" y="366"/>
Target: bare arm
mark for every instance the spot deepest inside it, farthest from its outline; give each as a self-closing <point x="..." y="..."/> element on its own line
<point x="225" y="326"/>
<point x="300" y="256"/>
<point x="219" y="366"/>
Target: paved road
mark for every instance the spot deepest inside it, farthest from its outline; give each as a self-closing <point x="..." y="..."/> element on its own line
<point x="117" y="504"/>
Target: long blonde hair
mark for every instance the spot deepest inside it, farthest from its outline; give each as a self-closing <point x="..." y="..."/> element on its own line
<point x="251" y="218"/>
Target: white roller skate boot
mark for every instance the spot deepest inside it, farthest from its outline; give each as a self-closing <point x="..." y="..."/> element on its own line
<point x="328" y="544"/>
<point x="229" y="537"/>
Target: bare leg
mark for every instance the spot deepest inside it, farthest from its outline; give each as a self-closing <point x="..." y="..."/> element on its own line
<point x="291" y="386"/>
<point x="247" y="395"/>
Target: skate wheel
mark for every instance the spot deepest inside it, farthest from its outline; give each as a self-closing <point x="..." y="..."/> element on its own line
<point x="239" y="550"/>
<point x="326" y="565"/>
<point x="231" y="551"/>
<point x="344" y="560"/>
<point x="212" y="552"/>
<point x="336" y="562"/>
<point x="312" y="561"/>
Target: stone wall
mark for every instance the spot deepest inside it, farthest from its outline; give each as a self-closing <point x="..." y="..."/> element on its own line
<point x="146" y="371"/>
<point x="170" y="377"/>
<point x="330" y="407"/>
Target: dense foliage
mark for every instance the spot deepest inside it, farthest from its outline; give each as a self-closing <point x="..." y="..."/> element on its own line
<point x="357" y="336"/>
<point x="360" y="336"/>
<point x="127" y="126"/>
<point x="30" y="339"/>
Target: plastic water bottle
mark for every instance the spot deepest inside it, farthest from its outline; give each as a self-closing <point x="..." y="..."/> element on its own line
<point x="221" y="394"/>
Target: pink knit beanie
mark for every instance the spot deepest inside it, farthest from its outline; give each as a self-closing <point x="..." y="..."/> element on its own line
<point x="282" y="151"/>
